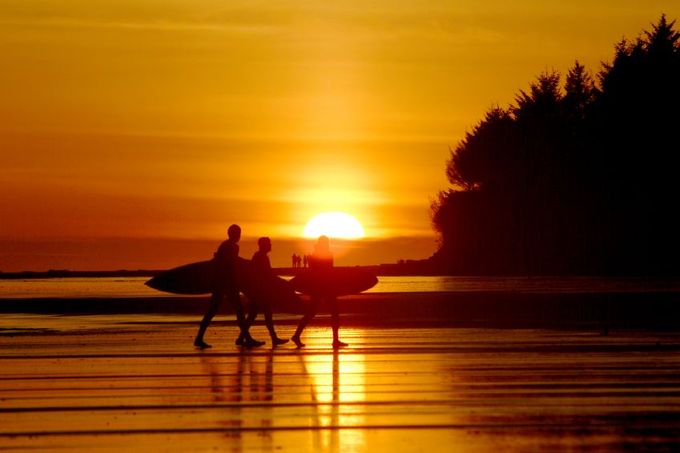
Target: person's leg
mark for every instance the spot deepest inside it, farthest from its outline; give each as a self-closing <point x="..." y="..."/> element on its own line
<point x="335" y="321"/>
<point x="309" y="314"/>
<point x="269" y="322"/>
<point x="248" y="341"/>
<point x="253" y="309"/>
<point x="235" y="301"/>
<point x="215" y="301"/>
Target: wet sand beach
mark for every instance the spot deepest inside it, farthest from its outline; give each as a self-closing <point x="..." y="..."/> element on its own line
<point x="133" y="381"/>
<point x="589" y="307"/>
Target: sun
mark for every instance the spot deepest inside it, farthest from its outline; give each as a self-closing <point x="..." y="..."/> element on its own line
<point x="335" y="225"/>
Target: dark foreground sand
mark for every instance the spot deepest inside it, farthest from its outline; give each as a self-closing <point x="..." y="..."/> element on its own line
<point x="134" y="382"/>
<point x="639" y="308"/>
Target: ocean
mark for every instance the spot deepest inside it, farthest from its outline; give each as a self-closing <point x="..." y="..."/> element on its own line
<point x="131" y="287"/>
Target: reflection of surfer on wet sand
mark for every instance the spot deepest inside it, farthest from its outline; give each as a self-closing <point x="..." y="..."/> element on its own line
<point x="321" y="264"/>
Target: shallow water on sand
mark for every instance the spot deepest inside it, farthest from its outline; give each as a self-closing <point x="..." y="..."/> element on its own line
<point x="125" y="287"/>
<point x="135" y="382"/>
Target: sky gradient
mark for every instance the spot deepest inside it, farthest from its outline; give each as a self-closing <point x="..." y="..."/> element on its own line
<point x="162" y="122"/>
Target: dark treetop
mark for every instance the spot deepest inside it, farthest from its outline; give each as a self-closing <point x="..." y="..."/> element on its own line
<point x="577" y="177"/>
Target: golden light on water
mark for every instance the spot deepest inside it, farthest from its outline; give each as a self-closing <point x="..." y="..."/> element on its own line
<point x="337" y="379"/>
<point x="334" y="225"/>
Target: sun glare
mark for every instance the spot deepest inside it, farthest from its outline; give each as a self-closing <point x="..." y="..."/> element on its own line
<point x="334" y="225"/>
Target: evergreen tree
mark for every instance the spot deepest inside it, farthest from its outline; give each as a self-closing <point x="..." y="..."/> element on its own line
<point x="579" y="178"/>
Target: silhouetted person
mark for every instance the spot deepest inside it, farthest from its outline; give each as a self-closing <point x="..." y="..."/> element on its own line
<point x="262" y="273"/>
<point x="305" y="259"/>
<point x="225" y="284"/>
<point x="293" y="260"/>
<point x="321" y="262"/>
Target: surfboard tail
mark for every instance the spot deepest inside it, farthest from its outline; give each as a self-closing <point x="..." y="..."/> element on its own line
<point x="334" y="281"/>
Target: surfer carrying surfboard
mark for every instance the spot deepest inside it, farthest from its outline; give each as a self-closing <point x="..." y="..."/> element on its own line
<point x="262" y="272"/>
<point x="321" y="264"/>
<point x="225" y="284"/>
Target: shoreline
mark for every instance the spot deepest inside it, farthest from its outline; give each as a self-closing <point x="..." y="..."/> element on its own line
<point x="607" y="310"/>
<point x="380" y="270"/>
<point x="396" y="270"/>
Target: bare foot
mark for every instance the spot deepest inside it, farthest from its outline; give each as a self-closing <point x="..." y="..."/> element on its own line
<point x="339" y="344"/>
<point x="295" y="339"/>
<point x="252" y="343"/>
<point x="277" y="341"/>
<point x="200" y="344"/>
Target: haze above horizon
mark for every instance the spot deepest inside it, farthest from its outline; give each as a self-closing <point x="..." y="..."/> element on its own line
<point x="131" y="122"/>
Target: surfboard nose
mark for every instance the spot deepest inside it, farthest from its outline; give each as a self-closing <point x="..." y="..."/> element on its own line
<point x="151" y="283"/>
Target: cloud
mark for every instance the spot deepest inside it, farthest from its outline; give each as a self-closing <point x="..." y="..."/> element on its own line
<point x="160" y="25"/>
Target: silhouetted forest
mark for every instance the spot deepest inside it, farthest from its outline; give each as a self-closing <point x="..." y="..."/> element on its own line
<point x="577" y="177"/>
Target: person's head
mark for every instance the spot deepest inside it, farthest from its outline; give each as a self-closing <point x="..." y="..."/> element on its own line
<point x="234" y="232"/>
<point x="323" y="243"/>
<point x="264" y="244"/>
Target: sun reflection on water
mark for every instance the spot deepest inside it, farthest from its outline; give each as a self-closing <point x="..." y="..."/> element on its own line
<point x="335" y="379"/>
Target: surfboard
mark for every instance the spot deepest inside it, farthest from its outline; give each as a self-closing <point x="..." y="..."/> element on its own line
<point x="198" y="278"/>
<point x="194" y="278"/>
<point x="333" y="282"/>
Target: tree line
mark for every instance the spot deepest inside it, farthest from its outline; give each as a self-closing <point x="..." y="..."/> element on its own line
<point x="578" y="176"/>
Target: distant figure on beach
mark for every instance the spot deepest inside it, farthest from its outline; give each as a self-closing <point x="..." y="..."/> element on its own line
<point x="320" y="261"/>
<point x="293" y="260"/>
<point x="305" y="260"/>
<point x="225" y="284"/>
<point x="262" y="272"/>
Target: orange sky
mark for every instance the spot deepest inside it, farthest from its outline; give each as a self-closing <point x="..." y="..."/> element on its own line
<point x="127" y="120"/>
